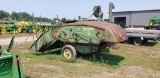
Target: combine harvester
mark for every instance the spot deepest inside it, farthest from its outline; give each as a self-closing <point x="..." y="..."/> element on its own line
<point x="10" y="64"/>
<point x="7" y="26"/>
<point x="81" y="36"/>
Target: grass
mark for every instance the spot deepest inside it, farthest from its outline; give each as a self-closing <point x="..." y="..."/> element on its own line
<point x="108" y="63"/>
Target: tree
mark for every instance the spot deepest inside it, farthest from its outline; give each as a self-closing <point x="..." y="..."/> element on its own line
<point x="4" y="14"/>
<point x="14" y="15"/>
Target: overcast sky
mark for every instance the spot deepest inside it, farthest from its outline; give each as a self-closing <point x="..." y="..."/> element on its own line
<point x="74" y="8"/>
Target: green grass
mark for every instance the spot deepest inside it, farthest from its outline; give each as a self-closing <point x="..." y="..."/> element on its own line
<point x="40" y="65"/>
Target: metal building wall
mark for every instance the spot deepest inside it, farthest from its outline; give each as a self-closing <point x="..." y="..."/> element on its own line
<point x="142" y="18"/>
<point x="137" y="18"/>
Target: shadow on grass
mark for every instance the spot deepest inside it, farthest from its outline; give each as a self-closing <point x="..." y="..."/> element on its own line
<point x="102" y="57"/>
<point x="150" y="44"/>
<point x="49" y="52"/>
<point x="97" y="57"/>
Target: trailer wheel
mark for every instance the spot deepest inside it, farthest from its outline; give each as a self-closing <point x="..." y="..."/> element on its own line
<point x="68" y="51"/>
<point x="137" y="41"/>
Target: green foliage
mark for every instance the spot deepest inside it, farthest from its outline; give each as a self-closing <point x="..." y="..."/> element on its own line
<point x="4" y="14"/>
<point x="21" y="16"/>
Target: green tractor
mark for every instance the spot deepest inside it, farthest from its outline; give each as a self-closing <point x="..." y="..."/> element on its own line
<point x="10" y="64"/>
<point x="154" y="24"/>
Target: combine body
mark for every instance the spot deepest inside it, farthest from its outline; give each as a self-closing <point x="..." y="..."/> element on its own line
<point x="10" y="64"/>
<point x="81" y="36"/>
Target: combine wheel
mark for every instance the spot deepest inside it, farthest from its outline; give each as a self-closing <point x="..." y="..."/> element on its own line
<point x="45" y="29"/>
<point x="3" y="30"/>
<point x="137" y="41"/>
<point x="34" y="30"/>
<point x="68" y="51"/>
<point x="14" y="32"/>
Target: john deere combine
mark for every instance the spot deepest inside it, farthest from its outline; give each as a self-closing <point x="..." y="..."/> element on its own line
<point x="25" y="27"/>
<point x="8" y="26"/>
<point x="81" y="36"/>
<point x="10" y="64"/>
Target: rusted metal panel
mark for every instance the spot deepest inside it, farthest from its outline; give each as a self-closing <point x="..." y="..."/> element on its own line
<point x="119" y="33"/>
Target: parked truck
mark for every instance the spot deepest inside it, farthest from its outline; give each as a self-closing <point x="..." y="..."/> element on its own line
<point x="138" y="36"/>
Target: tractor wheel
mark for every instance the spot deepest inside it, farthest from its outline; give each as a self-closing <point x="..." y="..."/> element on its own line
<point x="3" y="30"/>
<point x="68" y="51"/>
<point x="40" y="30"/>
<point x="137" y="41"/>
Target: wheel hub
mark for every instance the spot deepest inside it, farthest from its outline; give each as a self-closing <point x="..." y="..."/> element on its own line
<point x="67" y="53"/>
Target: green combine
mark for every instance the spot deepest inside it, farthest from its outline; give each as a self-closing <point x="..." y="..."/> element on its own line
<point x="8" y="26"/>
<point x="10" y="64"/>
<point x="81" y="36"/>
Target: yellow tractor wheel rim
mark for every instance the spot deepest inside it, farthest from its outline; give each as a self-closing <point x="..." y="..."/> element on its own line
<point x="19" y="29"/>
<point x="30" y="31"/>
<point x="3" y="27"/>
<point x="40" y="30"/>
<point x="14" y="32"/>
<point x="34" y="30"/>
<point x="151" y="24"/>
<point x="3" y="32"/>
<point x="67" y="53"/>
<point x="46" y="29"/>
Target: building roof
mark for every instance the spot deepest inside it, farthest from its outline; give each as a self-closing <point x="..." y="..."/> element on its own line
<point x="137" y="11"/>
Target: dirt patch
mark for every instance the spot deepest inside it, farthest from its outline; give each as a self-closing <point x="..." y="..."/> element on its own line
<point x="151" y="53"/>
<point x="47" y="66"/>
<point x="18" y="40"/>
<point x="130" y="72"/>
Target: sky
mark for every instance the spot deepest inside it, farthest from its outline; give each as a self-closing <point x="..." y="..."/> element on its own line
<point x="73" y="8"/>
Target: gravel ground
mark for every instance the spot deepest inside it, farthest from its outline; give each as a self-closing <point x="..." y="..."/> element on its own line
<point x="6" y="41"/>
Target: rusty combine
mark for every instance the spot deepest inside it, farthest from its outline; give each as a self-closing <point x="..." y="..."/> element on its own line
<point x="81" y="36"/>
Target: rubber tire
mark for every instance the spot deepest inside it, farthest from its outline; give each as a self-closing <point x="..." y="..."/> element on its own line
<point x="72" y="50"/>
<point x="137" y="41"/>
<point x="130" y="41"/>
<point x="145" y="40"/>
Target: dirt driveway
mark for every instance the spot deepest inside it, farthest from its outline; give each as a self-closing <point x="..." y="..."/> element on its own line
<point x="6" y="41"/>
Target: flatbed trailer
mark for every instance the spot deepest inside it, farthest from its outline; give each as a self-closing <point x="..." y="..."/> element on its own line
<point x="139" y="36"/>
